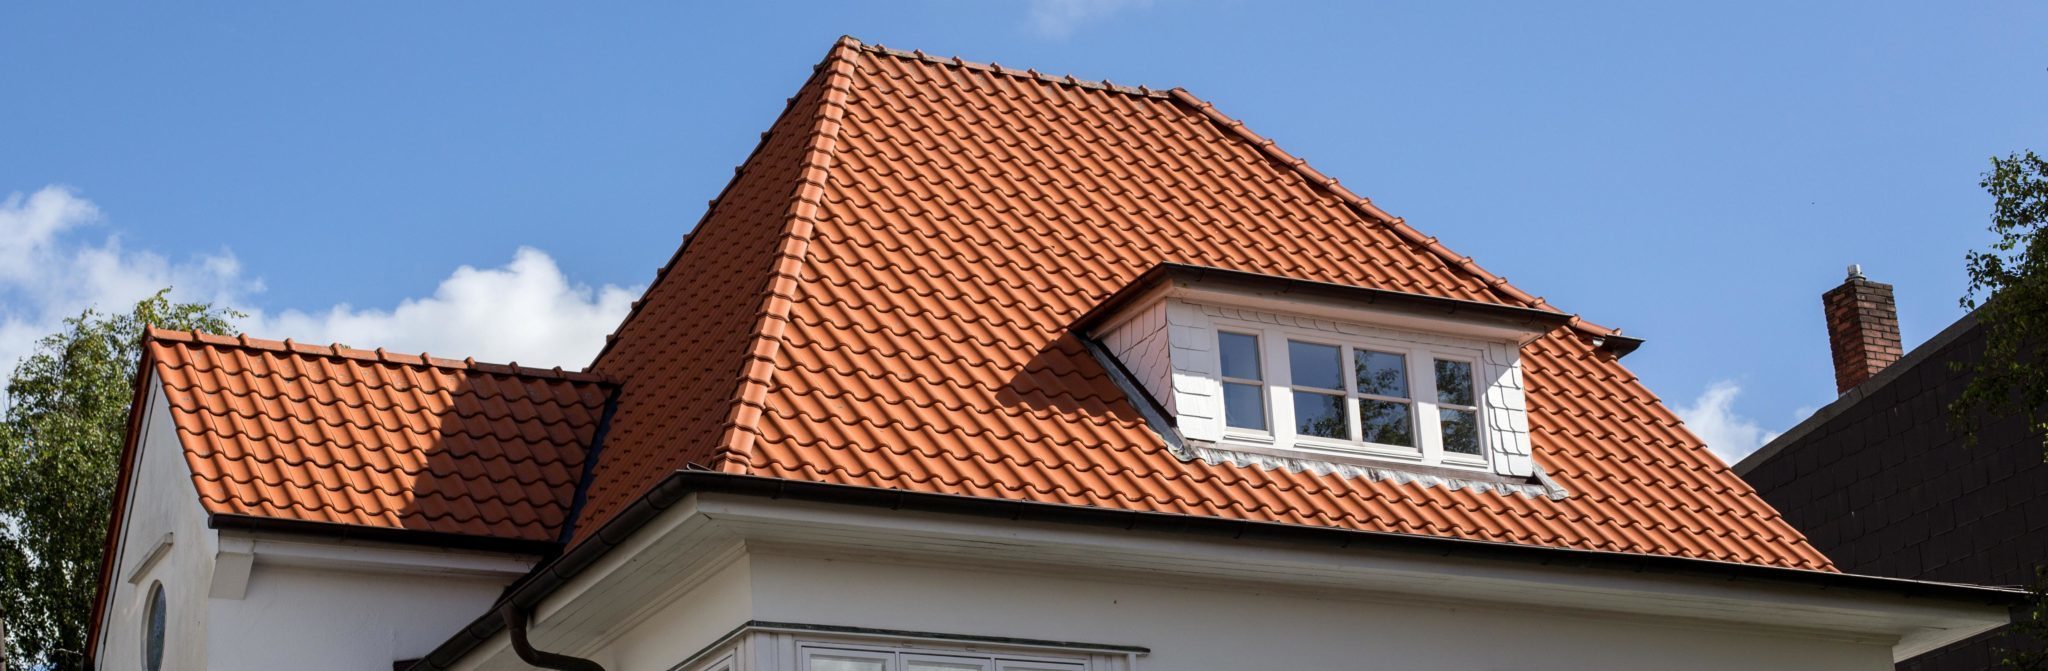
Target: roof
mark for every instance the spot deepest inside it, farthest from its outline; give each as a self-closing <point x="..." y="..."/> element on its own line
<point x="368" y="439"/>
<point x="882" y="298"/>
<point x="1854" y="397"/>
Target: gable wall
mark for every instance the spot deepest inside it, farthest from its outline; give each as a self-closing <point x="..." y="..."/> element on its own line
<point x="161" y="500"/>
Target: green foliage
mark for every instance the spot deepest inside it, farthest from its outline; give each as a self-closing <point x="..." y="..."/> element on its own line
<point x="65" y="417"/>
<point x="2030" y="626"/>
<point x="2009" y="289"/>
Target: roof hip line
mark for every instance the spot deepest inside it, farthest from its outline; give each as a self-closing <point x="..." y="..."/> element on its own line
<point x="742" y="422"/>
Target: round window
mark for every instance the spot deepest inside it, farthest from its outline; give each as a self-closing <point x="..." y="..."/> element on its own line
<point x="153" y="630"/>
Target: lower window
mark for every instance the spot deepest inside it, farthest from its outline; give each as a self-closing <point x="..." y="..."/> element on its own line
<point x="835" y="658"/>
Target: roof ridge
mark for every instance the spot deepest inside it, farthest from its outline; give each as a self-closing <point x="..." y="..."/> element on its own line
<point x="834" y="77"/>
<point x="993" y="67"/>
<point x="379" y="355"/>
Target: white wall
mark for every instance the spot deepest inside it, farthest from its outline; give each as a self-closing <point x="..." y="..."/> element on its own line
<point x="320" y="618"/>
<point x="1190" y="629"/>
<point x="1233" y="628"/>
<point x="161" y="499"/>
<point x="688" y="621"/>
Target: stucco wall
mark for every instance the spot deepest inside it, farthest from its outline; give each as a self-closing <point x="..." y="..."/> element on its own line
<point x="160" y="499"/>
<point x="1195" y="629"/>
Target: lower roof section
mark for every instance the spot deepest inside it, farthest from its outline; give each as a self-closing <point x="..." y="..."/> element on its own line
<point x="289" y="434"/>
<point x="1919" y="615"/>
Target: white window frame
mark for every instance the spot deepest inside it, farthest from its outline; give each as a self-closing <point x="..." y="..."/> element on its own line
<point x="784" y="647"/>
<point x="898" y="658"/>
<point x="1421" y="356"/>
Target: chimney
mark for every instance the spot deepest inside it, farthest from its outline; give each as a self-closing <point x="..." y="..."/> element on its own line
<point x="1863" y="329"/>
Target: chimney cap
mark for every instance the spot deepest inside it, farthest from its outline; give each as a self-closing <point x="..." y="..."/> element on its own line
<point x="1855" y="271"/>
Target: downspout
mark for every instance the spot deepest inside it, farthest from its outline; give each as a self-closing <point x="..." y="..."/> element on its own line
<point x="515" y="626"/>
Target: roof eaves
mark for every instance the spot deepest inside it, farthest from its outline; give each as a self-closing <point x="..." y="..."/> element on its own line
<point x="549" y="577"/>
<point x="420" y="537"/>
<point x="1524" y="317"/>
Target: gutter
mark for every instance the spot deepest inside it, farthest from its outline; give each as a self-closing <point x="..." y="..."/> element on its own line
<point x="544" y="581"/>
<point x="515" y="619"/>
<point x="434" y="539"/>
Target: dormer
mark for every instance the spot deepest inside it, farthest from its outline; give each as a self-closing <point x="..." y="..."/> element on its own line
<point x="1243" y="367"/>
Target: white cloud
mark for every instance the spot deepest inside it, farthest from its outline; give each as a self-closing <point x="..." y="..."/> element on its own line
<point x="48" y="274"/>
<point x="1059" y="18"/>
<point x="1712" y="417"/>
<point x="526" y="311"/>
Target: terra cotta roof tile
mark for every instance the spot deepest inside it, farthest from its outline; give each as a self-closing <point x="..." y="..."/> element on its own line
<point x="367" y="438"/>
<point x="882" y="296"/>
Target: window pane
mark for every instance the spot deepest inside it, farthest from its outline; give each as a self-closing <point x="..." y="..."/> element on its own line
<point x="1315" y="365"/>
<point x="1386" y="422"/>
<point x="1454" y="382"/>
<point x="840" y="663"/>
<point x="1320" y="415"/>
<point x="1240" y="355"/>
<point x="1461" y="431"/>
<point x="153" y="635"/>
<point x="941" y="665"/>
<point x="1382" y="374"/>
<point x="1244" y="406"/>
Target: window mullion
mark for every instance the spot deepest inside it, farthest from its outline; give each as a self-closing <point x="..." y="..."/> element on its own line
<point x="1347" y="363"/>
<point x="1422" y="372"/>
<point x="1279" y="386"/>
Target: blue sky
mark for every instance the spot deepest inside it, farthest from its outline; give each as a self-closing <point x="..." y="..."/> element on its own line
<point x="1696" y="174"/>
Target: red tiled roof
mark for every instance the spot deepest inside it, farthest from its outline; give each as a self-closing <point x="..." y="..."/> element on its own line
<point x="881" y="297"/>
<point x="367" y="438"/>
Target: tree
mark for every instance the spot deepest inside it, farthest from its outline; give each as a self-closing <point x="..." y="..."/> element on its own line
<point x="2030" y="628"/>
<point x="2009" y="290"/>
<point x="65" y="417"/>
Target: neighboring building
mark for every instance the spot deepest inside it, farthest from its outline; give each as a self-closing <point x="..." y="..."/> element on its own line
<point x="972" y="368"/>
<point x="1880" y="482"/>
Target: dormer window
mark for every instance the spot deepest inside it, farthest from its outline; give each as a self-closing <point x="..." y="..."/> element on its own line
<point x="1410" y="401"/>
<point x="1326" y="376"/>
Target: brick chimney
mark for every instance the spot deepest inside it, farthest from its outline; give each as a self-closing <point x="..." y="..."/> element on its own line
<point x="1863" y="329"/>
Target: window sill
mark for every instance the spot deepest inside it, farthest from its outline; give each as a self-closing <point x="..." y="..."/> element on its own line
<point x="1350" y="462"/>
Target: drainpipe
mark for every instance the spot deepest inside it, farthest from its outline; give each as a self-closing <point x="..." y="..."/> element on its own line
<point x="515" y="625"/>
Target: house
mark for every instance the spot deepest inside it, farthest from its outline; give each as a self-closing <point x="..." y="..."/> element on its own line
<point x="1881" y="482"/>
<point x="978" y="368"/>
